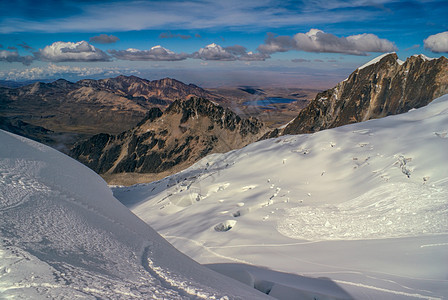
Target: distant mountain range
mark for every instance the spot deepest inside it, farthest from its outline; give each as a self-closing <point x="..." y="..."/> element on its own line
<point x="166" y="142"/>
<point x="93" y="106"/>
<point x="16" y="84"/>
<point x="385" y="86"/>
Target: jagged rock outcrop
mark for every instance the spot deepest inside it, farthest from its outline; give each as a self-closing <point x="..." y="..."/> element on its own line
<point x="170" y="141"/>
<point x="93" y="106"/>
<point x="385" y="86"/>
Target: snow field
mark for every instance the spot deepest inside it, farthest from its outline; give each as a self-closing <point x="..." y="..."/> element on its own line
<point x="353" y="204"/>
<point x="63" y="236"/>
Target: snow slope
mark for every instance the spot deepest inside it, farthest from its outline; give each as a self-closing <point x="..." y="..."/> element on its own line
<point x="63" y="235"/>
<point x="357" y="211"/>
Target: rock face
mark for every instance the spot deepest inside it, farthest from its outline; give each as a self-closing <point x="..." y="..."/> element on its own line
<point x="386" y="86"/>
<point x="170" y="141"/>
<point x="93" y="106"/>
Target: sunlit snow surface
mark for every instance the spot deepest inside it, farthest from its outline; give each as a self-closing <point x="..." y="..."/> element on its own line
<point x="363" y="205"/>
<point x="64" y="236"/>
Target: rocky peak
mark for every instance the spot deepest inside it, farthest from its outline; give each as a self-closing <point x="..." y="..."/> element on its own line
<point x="41" y="88"/>
<point x="194" y="108"/>
<point x="164" y="143"/>
<point x="385" y="86"/>
<point x="167" y="81"/>
<point x="62" y="83"/>
<point x="120" y="82"/>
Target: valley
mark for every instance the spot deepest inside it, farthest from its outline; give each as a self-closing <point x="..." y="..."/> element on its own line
<point x="272" y="115"/>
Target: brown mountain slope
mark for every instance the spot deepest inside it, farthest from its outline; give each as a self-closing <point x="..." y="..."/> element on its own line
<point x="162" y="92"/>
<point x="165" y="143"/>
<point x="92" y="106"/>
<point x="387" y="87"/>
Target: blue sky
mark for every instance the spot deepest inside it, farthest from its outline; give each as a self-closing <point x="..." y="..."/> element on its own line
<point x="291" y="43"/>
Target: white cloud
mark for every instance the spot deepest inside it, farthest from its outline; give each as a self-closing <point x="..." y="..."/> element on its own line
<point x="68" y="51"/>
<point x="231" y="53"/>
<point x="53" y="71"/>
<point x="318" y="41"/>
<point x="13" y="56"/>
<point x="368" y="42"/>
<point x="214" y="52"/>
<point x="156" y="53"/>
<point x="437" y="42"/>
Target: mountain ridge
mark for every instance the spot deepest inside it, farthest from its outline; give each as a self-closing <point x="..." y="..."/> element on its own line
<point x="90" y="106"/>
<point x="375" y="90"/>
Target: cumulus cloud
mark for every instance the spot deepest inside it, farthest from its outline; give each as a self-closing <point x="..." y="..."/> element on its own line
<point x="318" y="41"/>
<point x="169" y="35"/>
<point x="13" y="56"/>
<point x="231" y="53"/>
<point x="437" y="43"/>
<point x="156" y="53"/>
<point x="68" y="51"/>
<point x="57" y="71"/>
<point x="214" y="52"/>
<point x="103" y="39"/>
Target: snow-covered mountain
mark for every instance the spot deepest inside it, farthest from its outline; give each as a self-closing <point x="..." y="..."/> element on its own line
<point x="64" y="236"/>
<point x="359" y="211"/>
